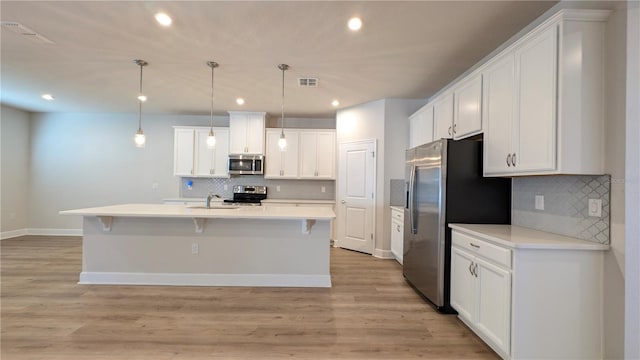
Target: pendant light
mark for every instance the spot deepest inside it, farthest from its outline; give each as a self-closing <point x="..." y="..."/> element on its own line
<point x="140" y="139"/>
<point x="211" y="139"/>
<point x="282" y="142"/>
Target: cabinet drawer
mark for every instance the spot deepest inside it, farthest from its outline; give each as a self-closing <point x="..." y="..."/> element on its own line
<point x="497" y="254"/>
<point x="397" y="215"/>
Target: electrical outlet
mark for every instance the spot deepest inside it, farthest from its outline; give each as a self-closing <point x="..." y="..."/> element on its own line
<point x="194" y="249"/>
<point x="323" y="189"/>
<point x="277" y="188"/>
<point x="539" y="202"/>
<point x="595" y="207"/>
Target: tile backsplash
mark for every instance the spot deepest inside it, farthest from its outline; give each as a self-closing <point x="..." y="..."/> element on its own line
<point x="289" y="189"/>
<point x="566" y="209"/>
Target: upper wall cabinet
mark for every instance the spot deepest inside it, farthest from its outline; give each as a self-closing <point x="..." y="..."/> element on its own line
<point x="246" y="132"/>
<point x="282" y="164"/>
<point x="443" y="116"/>
<point x="192" y="157"/>
<point x="543" y="103"/>
<point x="317" y="154"/>
<point x="421" y="126"/>
<point x="467" y="107"/>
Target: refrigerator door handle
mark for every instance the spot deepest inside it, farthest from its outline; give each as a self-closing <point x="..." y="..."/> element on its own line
<point x="412" y="179"/>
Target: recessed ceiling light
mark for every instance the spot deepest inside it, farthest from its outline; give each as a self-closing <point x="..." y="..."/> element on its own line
<point x="47" y="97"/>
<point x="163" y="19"/>
<point x="335" y="103"/>
<point x="240" y="101"/>
<point x="355" y="23"/>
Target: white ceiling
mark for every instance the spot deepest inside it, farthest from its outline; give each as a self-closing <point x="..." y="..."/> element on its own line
<point x="404" y="50"/>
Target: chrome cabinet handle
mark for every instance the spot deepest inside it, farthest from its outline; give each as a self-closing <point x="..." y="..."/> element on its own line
<point x="449" y="131"/>
<point x="471" y="268"/>
<point x="474" y="245"/>
<point x="454" y="128"/>
<point x="509" y="160"/>
<point x="475" y="270"/>
<point x="513" y="160"/>
<point x="398" y="228"/>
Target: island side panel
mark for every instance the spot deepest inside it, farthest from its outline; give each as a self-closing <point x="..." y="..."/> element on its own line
<point x="231" y="252"/>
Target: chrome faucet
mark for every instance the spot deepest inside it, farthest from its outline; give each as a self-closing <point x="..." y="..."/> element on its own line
<point x="210" y="197"/>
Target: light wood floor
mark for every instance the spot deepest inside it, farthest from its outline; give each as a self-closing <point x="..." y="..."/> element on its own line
<point x="369" y="313"/>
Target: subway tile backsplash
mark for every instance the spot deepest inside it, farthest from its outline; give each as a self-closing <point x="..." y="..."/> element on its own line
<point x="566" y="210"/>
<point x="289" y="189"/>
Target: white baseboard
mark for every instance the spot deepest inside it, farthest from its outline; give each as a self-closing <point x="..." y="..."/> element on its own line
<point x="383" y="254"/>
<point x="12" y="234"/>
<point x="55" y="232"/>
<point x="274" y="280"/>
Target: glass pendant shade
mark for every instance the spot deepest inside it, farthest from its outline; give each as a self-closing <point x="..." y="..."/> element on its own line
<point x="211" y="140"/>
<point x="140" y="139"/>
<point x="282" y="142"/>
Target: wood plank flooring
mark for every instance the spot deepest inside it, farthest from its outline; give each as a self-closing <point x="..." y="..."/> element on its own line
<point x="369" y="313"/>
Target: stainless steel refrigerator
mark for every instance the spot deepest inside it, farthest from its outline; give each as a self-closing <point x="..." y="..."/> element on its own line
<point x="445" y="185"/>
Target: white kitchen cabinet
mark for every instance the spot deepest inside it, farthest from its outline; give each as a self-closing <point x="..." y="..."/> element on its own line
<point x="467" y="107"/>
<point x="192" y="157"/>
<point x="183" y="145"/>
<point x="397" y="232"/>
<point x="481" y="291"/>
<point x="246" y="132"/>
<point x="443" y="117"/>
<point x="421" y="126"/>
<point x="317" y="154"/>
<point x="211" y="162"/>
<point x="282" y="164"/>
<point x="543" y="109"/>
<point x="528" y="294"/>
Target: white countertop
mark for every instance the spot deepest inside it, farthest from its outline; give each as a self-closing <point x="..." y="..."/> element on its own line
<point x="184" y="211"/>
<point x="399" y="208"/>
<point x="298" y="201"/>
<point x="525" y="238"/>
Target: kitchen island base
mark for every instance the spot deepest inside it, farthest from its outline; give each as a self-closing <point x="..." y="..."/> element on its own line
<point x="215" y="252"/>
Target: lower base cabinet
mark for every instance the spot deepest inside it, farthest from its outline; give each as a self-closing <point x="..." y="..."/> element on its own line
<point x="397" y="233"/>
<point x="527" y="302"/>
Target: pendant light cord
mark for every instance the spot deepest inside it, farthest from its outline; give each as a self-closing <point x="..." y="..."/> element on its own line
<point x="140" y="101"/>
<point x="282" y="67"/>
<point x="212" y="71"/>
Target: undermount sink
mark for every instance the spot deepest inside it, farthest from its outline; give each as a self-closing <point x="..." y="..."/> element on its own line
<point x="213" y="207"/>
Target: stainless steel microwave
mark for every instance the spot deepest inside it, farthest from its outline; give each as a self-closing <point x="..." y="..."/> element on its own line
<point x="246" y="164"/>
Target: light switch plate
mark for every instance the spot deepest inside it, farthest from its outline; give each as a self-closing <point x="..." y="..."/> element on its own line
<point x="595" y="207"/>
<point x="539" y="202"/>
<point x="278" y="188"/>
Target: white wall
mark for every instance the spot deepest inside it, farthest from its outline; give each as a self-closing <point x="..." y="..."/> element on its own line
<point x="632" y="185"/>
<point x="14" y="128"/>
<point x="86" y="160"/>
<point x="386" y="121"/>
<point x="613" y="284"/>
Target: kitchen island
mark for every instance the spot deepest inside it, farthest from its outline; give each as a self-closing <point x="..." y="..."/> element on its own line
<point x="152" y="244"/>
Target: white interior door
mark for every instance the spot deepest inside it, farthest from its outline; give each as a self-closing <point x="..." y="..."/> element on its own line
<point x="356" y="196"/>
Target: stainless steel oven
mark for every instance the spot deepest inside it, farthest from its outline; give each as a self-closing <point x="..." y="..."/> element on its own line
<point x="246" y="164"/>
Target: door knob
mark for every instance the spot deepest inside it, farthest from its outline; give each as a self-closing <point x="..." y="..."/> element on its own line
<point x="343" y="202"/>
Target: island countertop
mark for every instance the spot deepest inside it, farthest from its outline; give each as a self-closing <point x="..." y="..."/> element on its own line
<point x="185" y="211"/>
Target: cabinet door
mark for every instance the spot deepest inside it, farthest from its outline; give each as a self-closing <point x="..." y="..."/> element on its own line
<point x="308" y="154"/>
<point x="421" y="127"/>
<point x="397" y="233"/>
<point x="204" y="157"/>
<point x="273" y="158"/>
<point x="238" y="133"/>
<point x="498" y="114"/>
<point x="494" y="304"/>
<point x="443" y="117"/>
<point x="536" y="131"/>
<point x="326" y="155"/>
<point x="221" y="157"/>
<point x="255" y="134"/>
<point x="183" y="149"/>
<point x="467" y="111"/>
<point x="463" y="283"/>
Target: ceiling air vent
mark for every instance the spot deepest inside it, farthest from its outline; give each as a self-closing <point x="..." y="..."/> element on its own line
<point x="308" y="82"/>
<point x="25" y="32"/>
